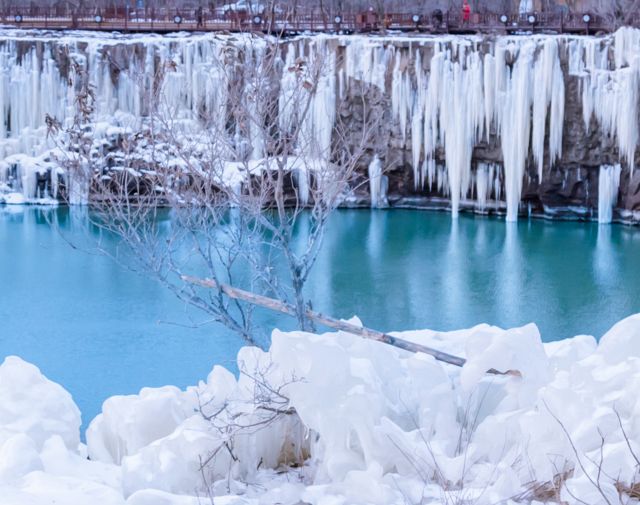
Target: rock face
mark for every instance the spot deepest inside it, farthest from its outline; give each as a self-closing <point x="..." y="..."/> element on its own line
<point x="508" y="125"/>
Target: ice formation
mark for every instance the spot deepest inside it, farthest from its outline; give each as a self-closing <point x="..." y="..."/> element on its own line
<point x="378" y="426"/>
<point x="377" y="183"/>
<point x="487" y="184"/>
<point x="447" y="95"/>
<point x="463" y="94"/>
<point x="525" y="7"/>
<point x="608" y="184"/>
<point x="611" y="95"/>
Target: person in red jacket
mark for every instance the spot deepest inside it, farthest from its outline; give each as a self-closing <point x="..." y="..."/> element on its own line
<point x="466" y="12"/>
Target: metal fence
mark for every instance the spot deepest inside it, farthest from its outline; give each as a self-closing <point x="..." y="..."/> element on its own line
<point x="166" y="20"/>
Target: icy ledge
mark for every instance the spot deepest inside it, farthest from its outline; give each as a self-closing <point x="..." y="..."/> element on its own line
<point x="371" y="425"/>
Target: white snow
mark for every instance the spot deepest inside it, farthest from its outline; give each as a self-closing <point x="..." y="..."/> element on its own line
<point x="372" y="425"/>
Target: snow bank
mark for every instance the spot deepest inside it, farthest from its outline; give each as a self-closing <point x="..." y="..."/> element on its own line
<point x="335" y="419"/>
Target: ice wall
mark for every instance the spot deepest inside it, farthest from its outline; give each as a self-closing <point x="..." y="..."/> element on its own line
<point x="449" y="95"/>
<point x="446" y="97"/>
<point x="464" y="92"/>
<point x="610" y="88"/>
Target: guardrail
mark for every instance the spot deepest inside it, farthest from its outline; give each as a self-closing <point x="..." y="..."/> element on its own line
<point x="218" y="20"/>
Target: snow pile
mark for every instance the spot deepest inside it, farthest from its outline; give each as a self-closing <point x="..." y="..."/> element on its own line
<point x="32" y="406"/>
<point x="41" y="460"/>
<point x="333" y="418"/>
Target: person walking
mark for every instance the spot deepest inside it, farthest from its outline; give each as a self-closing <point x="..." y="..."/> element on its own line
<point x="466" y="12"/>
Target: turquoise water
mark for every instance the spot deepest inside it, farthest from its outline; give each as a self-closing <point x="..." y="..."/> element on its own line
<point x="100" y="330"/>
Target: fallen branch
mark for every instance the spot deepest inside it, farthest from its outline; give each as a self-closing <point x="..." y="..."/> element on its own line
<point x="337" y="324"/>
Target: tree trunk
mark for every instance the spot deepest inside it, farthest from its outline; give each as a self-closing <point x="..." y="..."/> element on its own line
<point x="285" y="308"/>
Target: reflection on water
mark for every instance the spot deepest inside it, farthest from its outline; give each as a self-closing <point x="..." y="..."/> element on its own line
<point x="409" y="269"/>
<point x="86" y="321"/>
<point x="96" y="327"/>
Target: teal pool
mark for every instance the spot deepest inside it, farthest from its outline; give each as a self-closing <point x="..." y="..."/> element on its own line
<point x="101" y="330"/>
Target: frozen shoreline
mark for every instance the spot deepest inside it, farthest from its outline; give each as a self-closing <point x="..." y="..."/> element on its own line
<point x="334" y="419"/>
<point x="543" y="124"/>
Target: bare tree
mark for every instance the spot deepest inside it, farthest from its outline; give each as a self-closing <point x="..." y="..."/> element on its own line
<point x="241" y="191"/>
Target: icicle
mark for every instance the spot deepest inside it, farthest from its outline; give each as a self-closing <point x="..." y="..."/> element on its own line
<point x="548" y="92"/>
<point x="484" y="184"/>
<point x="302" y="180"/>
<point x="608" y="184"/>
<point x="377" y="184"/>
<point x="497" y="184"/>
<point x="429" y="167"/>
<point x="401" y="95"/>
<point x="288" y="88"/>
<point x="417" y="124"/>
<point x="611" y="95"/>
<point x="516" y="125"/>
<point x="324" y="102"/>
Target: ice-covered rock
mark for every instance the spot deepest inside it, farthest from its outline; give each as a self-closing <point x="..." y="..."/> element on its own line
<point x="335" y="418"/>
<point x="622" y="341"/>
<point x="128" y="423"/>
<point x="32" y="405"/>
<point x="172" y="464"/>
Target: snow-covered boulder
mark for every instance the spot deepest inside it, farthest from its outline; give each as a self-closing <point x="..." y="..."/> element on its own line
<point x="32" y="405"/>
<point x="128" y="423"/>
<point x="337" y="419"/>
<point x="622" y="341"/>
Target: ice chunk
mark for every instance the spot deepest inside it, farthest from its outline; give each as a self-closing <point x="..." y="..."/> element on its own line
<point x="128" y="423"/>
<point x="18" y="457"/>
<point x="31" y="404"/>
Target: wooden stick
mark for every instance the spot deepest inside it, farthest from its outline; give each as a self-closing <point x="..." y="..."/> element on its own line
<point x="337" y="324"/>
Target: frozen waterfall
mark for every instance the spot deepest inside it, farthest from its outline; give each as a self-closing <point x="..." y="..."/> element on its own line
<point x="465" y="94"/>
<point x="377" y="184"/>
<point x="446" y="97"/>
<point x="608" y="184"/>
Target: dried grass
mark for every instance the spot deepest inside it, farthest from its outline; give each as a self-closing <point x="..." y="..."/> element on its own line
<point x="630" y="490"/>
<point x="545" y="492"/>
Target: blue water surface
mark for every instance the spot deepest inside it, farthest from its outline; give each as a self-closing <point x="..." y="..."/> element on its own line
<point x="99" y="329"/>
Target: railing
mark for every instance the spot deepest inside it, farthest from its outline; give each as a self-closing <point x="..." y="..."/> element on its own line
<point x="166" y="20"/>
